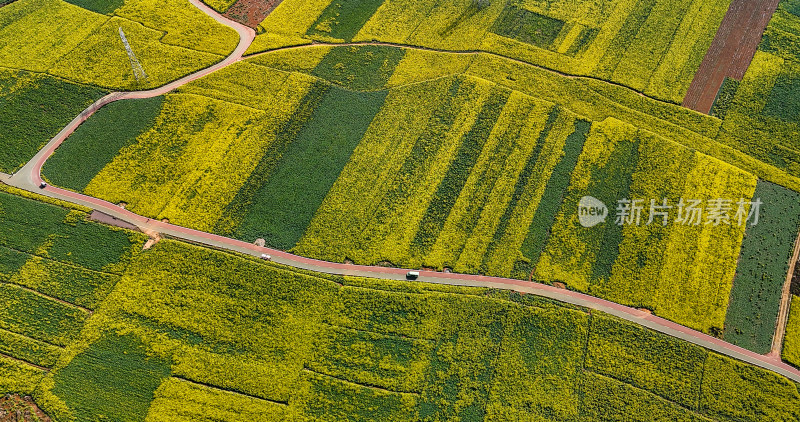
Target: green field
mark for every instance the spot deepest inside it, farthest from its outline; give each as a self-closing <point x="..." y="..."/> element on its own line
<point x="454" y="135"/>
<point x="111" y="129"/>
<point x="35" y="108"/>
<point x="52" y="277"/>
<point x="761" y="274"/>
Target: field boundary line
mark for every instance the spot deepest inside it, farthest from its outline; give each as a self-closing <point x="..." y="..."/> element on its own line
<point x="46" y="296"/>
<point x="457" y="52"/>
<point x="369" y="386"/>
<point x="29" y="178"/>
<point x="68" y="264"/>
<point x="43" y="368"/>
<point x="786" y="299"/>
<point x="227" y="390"/>
<point x="650" y="393"/>
<point x="361" y="330"/>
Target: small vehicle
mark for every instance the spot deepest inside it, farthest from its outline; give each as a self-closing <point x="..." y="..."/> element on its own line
<point x="43" y="185"/>
<point x="266" y="257"/>
<point x="412" y="275"/>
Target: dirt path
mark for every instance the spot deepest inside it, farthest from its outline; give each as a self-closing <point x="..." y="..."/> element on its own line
<point x="731" y="51"/>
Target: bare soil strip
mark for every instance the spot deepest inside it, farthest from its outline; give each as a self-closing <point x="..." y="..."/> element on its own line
<point x="251" y="12"/>
<point x="731" y="51"/>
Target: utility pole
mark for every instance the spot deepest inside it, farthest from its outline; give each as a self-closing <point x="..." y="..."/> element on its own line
<point x="138" y="70"/>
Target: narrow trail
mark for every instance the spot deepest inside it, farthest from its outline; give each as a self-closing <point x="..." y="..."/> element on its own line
<point x="29" y="178"/>
<point x="464" y="53"/>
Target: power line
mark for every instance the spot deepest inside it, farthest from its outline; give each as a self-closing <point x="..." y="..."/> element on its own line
<point x="138" y="70"/>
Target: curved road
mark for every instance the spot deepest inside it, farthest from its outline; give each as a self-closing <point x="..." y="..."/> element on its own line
<point x="29" y="179"/>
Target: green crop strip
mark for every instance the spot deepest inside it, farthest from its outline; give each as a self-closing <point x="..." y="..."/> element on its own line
<point x="616" y="51"/>
<point x="763" y="265"/>
<point x="343" y="18"/>
<point x="784" y="99"/>
<point x="105" y="7"/>
<point x="241" y="204"/>
<point x="424" y="149"/>
<point x="360" y="68"/>
<point x="97" y="141"/>
<point x="35" y="108"/>
<point x="528" y="27"/>
<point x="456" y="177"/>
<point x="522" y="181"/>
<point x="724" y="98"/>
<point x="553" y="196"/>
<point x="115" y="378"/>
<point x="610" y="184"/>
<point x="284" y="206"/>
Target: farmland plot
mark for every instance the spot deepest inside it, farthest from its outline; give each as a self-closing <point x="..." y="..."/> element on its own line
<point x="652" y="46"/>
<point x="50" y="281"/>
<point x="327" y="347"/>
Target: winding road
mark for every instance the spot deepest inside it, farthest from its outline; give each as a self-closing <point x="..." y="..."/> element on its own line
<point x="29" y="178"/>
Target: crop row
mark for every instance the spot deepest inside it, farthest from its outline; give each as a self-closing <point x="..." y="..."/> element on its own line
<point x="682" y="272"/>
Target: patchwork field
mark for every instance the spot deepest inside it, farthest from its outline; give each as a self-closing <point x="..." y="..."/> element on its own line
<point x="761" y="114"/>
<point x="380" y="155"/>
<point x="457" y="135"/>
<point x="652" y="46"/>
<point x="185" y="339"/>
<point x="50" y="72"/>
<point x="52" y="278"/>
<point x="35" y="108"/>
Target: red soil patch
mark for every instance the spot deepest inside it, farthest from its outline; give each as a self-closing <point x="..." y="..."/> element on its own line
<point x="251" y="12"/>
<point x="14" y="408"/>
<point x="731" y="51"/>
